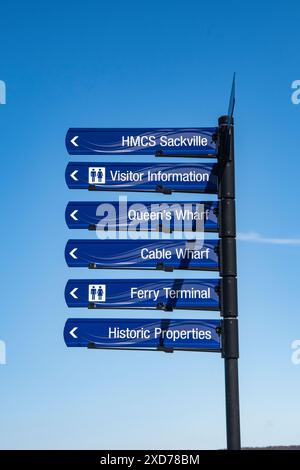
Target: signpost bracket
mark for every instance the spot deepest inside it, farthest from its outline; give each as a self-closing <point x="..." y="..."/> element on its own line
<point x="163" y="267"/>
<point x="163" y="189"/>
<point x="165" y="349"/>
<point x="227" y="256"/>
<point x="165" y="307"/>
<point x="92" y="306"/>
<point x="162" y="228"/>
<point x="227" y="224"/>
<point x="92" y="345"/>
<point x="160" y="153"/>
<point x="228" y="297"/>
<point x="230" y="342"/>
<point x="93" y="266"/>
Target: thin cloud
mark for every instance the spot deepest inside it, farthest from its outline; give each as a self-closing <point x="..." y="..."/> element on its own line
<point x="257" y="238"/>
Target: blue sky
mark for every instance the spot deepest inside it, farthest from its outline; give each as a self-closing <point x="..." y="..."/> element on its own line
<point x="113" y="64"/>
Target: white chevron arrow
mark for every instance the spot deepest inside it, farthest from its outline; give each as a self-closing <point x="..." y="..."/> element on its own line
<point x="73" y="215"/>
<point x="72" y="293"/>
<point x="72" y="253"/>
<point x="73" y="175"/>
<point x="72" y="332"/>
<point x="73" y="141"/>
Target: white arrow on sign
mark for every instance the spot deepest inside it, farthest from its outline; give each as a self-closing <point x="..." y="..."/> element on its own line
<point x="73" y="175"/>
<point x="72" y="253"/>
<point x="73" y="214"/>
<point x="72" y="332"/>
<point x="72" y="293"/>
<point x="73" y="141"/>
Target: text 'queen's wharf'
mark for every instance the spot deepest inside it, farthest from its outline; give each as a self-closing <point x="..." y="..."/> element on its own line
<point x="144" y="216"/>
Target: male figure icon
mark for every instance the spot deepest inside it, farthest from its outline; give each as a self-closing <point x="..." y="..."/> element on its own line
<point x="93" y="292"/>
<point x="93" y="175"/>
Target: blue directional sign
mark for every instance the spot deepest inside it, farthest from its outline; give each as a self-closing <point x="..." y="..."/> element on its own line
<point x="144" y="293"/>
<point x="143" y="216"/>
<point x="123" y="333"/>
<point x="143" y="254"/>
<point x="161" y="177"/>
<point x="146" y="141"/>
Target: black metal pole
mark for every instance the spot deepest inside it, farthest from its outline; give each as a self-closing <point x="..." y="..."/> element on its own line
<point x="229" y="304"/>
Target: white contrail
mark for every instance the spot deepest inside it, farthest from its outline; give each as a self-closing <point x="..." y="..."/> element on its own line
<point x="256" y="237"/>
